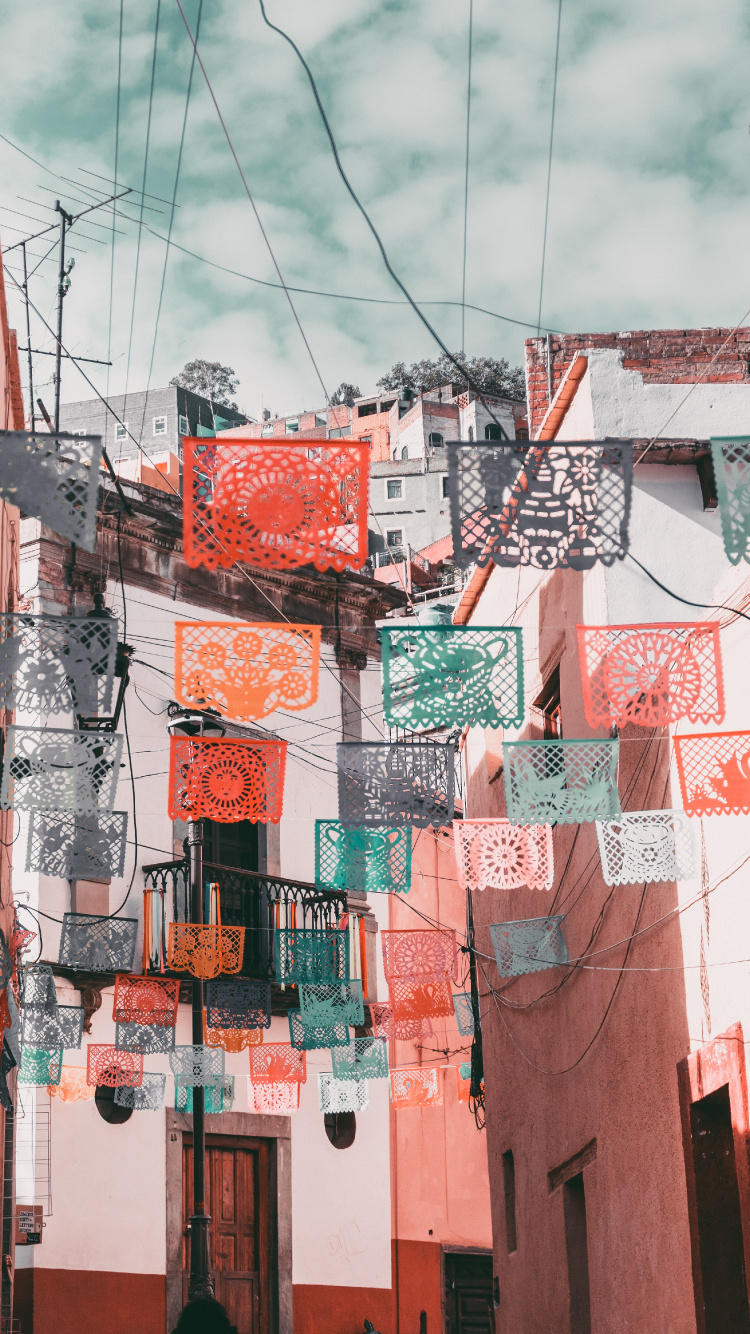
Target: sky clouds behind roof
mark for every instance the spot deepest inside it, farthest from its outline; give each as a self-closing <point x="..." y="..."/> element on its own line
<point x="648" y="208"/>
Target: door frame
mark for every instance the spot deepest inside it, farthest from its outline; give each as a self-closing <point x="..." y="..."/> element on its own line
<point x="459" y="1250"/>
<point x="239" y="1126"/>
<point x="719" y="1062"/>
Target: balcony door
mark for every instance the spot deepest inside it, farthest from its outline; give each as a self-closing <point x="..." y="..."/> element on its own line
<point x="241" y="1234"/>
<point x="234" y="845"/>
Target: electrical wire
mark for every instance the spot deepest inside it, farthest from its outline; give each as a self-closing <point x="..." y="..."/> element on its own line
<point x="117" y="156"/>
<point x="143" y="187"/>
<point x="462" y="370"/>
<point x="466" y="179"/>
<point x="549" y="165"/>
<point x="264" y="234"/>
<point x="709" y="606"/>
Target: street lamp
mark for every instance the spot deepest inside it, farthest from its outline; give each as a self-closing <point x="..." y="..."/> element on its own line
<point x="203" y="723"/>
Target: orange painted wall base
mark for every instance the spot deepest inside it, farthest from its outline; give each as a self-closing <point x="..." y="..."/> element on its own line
<point x="69" y="1301"/>
<point x="415" y="1271"/>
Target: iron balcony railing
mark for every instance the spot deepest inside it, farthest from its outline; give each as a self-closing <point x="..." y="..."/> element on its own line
<point x="246" y="898"/>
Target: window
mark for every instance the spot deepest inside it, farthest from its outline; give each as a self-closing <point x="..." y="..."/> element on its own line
<point x="445" y="486"/>
<point x="183" y="425"/>
<point x="395" y="455"/>
<point x="108" y="1109"/>
<point x="231" y="844"/>
<point x="509" y="1182"/>
<point x="576" y="1246"/>
<point x="337" y="432"/>
<point x="292" y="425"/>
<point x="366" y="409"/>
<point x="471" y="433"/>
<point x="548" y="704"/>
<point x="121" y="430"/>
<point x="718" y="1213"/>
<point x="340" y="1127"/>
<point x="160" y="426"/>
<point x="404" y="453"/>
<point x="321" y="419"/>
<point x="494" y="432"/>
<point x="394" y="537"/>
<point x="267" y="429"/>
<point x="394" y="488"/>
<point x="386" y="407"/>
<point x="435" y="439"/>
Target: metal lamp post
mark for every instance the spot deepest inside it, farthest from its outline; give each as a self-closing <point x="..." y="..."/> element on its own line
<point x="201" y="1283"/>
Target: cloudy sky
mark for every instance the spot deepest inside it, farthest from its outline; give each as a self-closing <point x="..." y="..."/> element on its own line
<point x="648" y="221"/>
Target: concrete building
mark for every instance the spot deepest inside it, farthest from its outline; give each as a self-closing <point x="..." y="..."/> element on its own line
<point x="616" y="1090"/>
<point x="388" y="1225"/>
<point x="157" y="419"/>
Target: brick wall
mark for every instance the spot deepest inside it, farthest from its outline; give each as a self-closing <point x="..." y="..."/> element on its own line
<point x="662" y="356"/>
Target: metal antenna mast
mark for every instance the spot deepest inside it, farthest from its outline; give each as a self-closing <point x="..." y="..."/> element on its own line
<point x="63" y="283"/>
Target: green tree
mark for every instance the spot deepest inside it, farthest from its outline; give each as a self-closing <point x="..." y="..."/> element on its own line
<point x="488" y="374"/>
<point x="211" y="380"/>
<point x="345" y="392"/>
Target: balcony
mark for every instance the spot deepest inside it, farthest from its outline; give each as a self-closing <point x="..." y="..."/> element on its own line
<point x="258" y="902"/>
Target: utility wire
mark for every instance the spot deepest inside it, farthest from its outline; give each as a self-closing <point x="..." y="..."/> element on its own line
<point x="466" y="180"/>
<point x="172" y="216"/>
<point x="117" y="158"/>
<point x="248" y="192"/>
<point x="143" y="187"/>
<point x="462" y="370"/>
<point x="549" y="165"/>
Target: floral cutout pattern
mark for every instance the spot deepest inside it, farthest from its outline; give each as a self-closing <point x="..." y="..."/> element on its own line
<point x="246" y="671"/>
<point x="53" y="769"/>
<point x="226" y="779"/>
<point x="495" y="854"/>
<point x="651" y="675"/>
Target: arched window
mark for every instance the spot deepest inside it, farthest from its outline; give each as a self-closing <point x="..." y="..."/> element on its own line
<point x="404" y="453"/>
<point x="435" y="438"/>
<point x="493" y="432"/>
<point x="395" y="456"/>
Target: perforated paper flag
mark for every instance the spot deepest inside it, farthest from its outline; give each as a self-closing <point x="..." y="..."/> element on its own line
<point x="97" y="944"/>
<point x="367" y="861"/>
<point x="57" y="664"/>
<point x="428" y="999"/>
<point x="452" y="674"/>
<point x="64" y="1028"/>
<point x="495" y="854"/>
<point x="463" y="1081"/>
<point x="307" y="1035"/>
<point x="731" y="458"/>
<point x="73" y="1085"/>
<point x="418" y="955"/>
<point x="560" y="782"/>
<point x="238" y="1003"/>
<point x="714" y="773"/>
<point x="342" y="1095"/>
<point x="277" y="1063"/>
<point x="330" y="1003"/>
<point x="149" y="1039"/>
<point x="55" y="478"/>
<point x="148" y="1098"/>
<point x="528" y="946"/>
<point x="39" y="1066"/>
<point x="464" y="1013"/>
<point x="113" y="1068"/>
<point x="651" y="675"/>
<point x="215" y="1100"/>
<point x="231" y="1039"/>
<point x="646" y="846"/>
<point x="399" y="1030"/>
<point x="205" y="951"/>
<point x="197" y="1065"/>
<point x="415" y="1086"/>
<point x="52" y="769"/>
<point x="77" y="847"/>
<point x="279" y="1099"/>
<point x="276" y="505"/>
<point x="311" y="955"/>
<point x="569" y="507"/>
<point x="244" y="670"/>
<point x="146" y="1000"/>
<point x="226" y="779"/>
<point x="364" y="1058"/>
<point x="37" y="987"/>
<point x="383" y="783"/>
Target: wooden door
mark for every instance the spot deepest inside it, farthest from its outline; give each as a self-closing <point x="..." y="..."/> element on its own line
<point x="468" y="1294"/>
<point x="241" y="1236"/>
